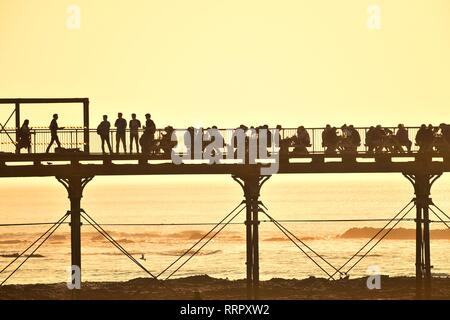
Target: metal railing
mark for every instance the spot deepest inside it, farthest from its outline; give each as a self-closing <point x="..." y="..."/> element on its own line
<point x="73" y="137"/>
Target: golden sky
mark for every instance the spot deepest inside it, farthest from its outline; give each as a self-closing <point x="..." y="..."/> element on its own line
<point x="226" y="62"/>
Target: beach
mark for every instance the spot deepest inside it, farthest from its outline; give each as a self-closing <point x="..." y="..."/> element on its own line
<point x="206" y="288"/>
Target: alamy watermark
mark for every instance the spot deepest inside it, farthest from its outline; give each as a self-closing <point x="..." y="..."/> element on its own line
<point x="73" y="19"/>
<point x="249" y="146"/>
<point x="374" y="278"/>
<point x="374" y="17"/>
<point x="74" y="281"/>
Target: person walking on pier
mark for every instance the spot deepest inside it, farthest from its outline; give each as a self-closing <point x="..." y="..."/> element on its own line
<point x="54" y="133"/>
<point x="103" y="131"/>
<point x="121" y="125"/>
<point x="24" y="135"/>
<point x="135" y="124"/>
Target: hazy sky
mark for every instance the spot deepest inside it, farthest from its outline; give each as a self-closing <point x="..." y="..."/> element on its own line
<point x="227" y="62"/>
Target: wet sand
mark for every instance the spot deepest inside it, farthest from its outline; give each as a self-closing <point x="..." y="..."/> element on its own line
<point x="207" y="288"/>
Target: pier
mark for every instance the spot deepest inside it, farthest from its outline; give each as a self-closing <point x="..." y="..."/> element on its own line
<point x="81" y="160"/>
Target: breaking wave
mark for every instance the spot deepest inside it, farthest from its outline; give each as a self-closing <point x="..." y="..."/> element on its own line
<point x="396" y="234"/>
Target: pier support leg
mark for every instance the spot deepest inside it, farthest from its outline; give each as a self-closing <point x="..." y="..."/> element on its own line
<point x="422" y="184"/>
<point x="74" y="186"/>
<point x="251" y="185"/>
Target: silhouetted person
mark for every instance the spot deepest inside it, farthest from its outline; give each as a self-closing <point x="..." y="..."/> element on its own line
<point x="379" y="136"/>
<point x="371" y="142"/>
<point x="330" y="139"/>
<point x="269" y="135"/>
<point x="443" y="142"/>
<point x="135" y="124"/>
<point x="188" y="139"/>
<point x="103" y="131"/>
<point x="212" y="138"/>
<point x="148" y="137"/>
<point x="425" y="137"/>
<point x="390" y="142"/>
<point x="166" y="140"/>
<point x="24" y="136"/>
<point x="280" y="130"/>
<point x="54" y="133"/>
<point x="121" y="125"/>
<point x="354" y="138"/>
<point x="402" y="137"/>
<point x="284" y="150"/>
<point x="429" y="137"/>
<point x="302" y="140"/>
<point x="420" y="136"/>
<point x="445" y="131"/>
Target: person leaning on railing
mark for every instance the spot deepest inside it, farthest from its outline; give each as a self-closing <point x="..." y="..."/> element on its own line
<point x="103" y="131"/>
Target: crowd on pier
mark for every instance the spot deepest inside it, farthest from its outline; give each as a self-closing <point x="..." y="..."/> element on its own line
<point x="334" y="140"/>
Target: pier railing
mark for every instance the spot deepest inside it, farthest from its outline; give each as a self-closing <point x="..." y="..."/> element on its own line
<point x="73" y="138"/>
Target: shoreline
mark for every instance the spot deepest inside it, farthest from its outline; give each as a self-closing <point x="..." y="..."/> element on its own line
<point x="203" y="287"/>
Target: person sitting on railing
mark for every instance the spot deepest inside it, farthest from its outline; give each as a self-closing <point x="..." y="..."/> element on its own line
<point x="445" y="131"/>
<point x="330" y="139"/>
<point x="213" y="133"/>
<point x="103" y="131"/>
<point x="354" y="139"/>
<point x="425" y="138"/>
<point x="166" y="143"/>
<point x="379" y="138"/>
<point x="54" y="132"/>
<point x="373" y="139"/>
<point x="24" y="135"/>
<point x="389" y="141"/>
<point x="301" y="141"/>
<point x="189" y="141"/>
<point x="346" y="140"/>
<point x="442" y="141"/>
<point x="284" y="150"/>
<point x="403" y="139"/>
<point x="437" y="137"/>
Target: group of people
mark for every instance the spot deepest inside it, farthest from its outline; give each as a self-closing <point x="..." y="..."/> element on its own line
<point x="24" y="135"/>
<point x="346" y="139"/>
<point x="430" y="138"/>
<point x="146" y="141"/>
<point x="378" y="139"/>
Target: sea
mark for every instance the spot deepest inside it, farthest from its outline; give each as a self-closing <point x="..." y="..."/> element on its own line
<point x="158" y="218"/>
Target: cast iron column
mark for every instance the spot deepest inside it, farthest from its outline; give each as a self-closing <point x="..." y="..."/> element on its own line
<point x="74" y="185"/>
<point x="251" y="185"/>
